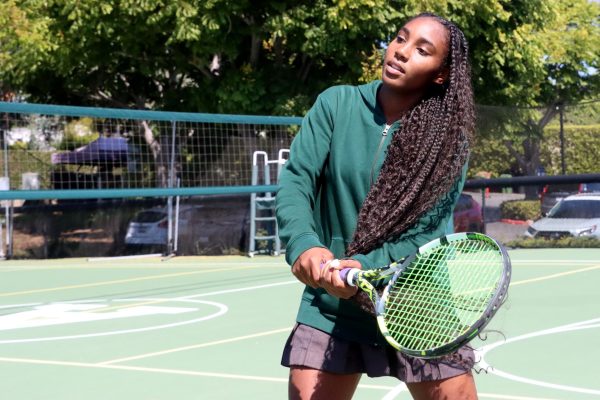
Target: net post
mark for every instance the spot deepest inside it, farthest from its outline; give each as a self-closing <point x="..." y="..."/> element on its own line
<point x="483" y="223"/>
<point x="171" y="230"/>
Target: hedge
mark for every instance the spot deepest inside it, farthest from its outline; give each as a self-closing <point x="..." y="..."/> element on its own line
<point x="582" y="149"/>
<point x="520" y="209"/>
<point x="581" y="152"/>
<point x="569" y="242"/>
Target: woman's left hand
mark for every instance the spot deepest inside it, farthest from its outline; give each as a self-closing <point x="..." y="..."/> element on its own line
<point x="330" y="278"/>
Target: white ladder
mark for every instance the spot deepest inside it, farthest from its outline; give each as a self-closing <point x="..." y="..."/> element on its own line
<point x="262" y="205"/>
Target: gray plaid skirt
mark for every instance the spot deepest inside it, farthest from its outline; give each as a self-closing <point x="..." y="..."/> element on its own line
<point x="312" y="348"/>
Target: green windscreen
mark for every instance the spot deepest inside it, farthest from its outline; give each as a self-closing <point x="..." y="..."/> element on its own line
<point x="443" y="293"/>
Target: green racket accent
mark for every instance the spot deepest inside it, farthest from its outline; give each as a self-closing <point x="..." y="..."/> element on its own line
<point x="441" y="297"/>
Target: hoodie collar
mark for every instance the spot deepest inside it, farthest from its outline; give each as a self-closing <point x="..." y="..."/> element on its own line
<point x="369" y="94"/>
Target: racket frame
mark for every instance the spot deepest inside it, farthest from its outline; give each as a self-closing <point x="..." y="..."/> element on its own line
<point x="360" y="278"/>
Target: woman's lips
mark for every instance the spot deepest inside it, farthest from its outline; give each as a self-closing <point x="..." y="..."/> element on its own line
<point x="394" y="69"/>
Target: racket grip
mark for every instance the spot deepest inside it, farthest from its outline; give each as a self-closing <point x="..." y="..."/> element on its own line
<point x="348" y="275"/>
<point x="344" y="274"/>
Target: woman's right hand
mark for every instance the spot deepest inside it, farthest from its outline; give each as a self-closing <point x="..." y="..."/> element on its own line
<point x="307" y="267"/>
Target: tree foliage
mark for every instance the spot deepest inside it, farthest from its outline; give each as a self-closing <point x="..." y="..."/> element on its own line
<point x="270" y="57"/>
<point x="274" y="57"/>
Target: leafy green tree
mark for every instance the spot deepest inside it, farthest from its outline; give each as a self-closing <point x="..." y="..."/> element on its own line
<point x="273" y="57"/>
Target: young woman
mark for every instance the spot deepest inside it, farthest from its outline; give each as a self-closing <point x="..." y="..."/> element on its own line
<point x="373" y="174"/>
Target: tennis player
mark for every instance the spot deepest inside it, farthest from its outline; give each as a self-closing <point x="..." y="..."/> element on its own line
<point x="375" y="173"/>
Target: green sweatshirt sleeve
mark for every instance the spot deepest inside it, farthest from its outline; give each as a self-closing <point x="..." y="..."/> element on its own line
<point x="430" y="226"/>
<point x="295" y="200"/>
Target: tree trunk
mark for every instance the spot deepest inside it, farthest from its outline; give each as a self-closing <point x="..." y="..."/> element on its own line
<point x="160" y="158"/>
<point x="529" y="160"/>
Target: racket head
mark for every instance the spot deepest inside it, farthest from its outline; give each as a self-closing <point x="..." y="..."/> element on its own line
<point x="444" y="295"/>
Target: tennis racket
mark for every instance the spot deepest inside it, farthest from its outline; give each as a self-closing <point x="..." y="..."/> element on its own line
<point x="440" y="297"/>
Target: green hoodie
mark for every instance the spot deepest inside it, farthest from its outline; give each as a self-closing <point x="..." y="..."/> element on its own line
<point x="333" y="162"/>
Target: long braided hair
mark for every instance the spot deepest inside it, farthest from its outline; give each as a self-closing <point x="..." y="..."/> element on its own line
<point x="426" y="154"/>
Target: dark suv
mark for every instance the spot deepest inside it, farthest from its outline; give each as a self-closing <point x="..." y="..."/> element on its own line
<point x="552" y="194"/>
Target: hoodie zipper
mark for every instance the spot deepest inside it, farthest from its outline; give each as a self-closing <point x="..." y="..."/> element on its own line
<point x="383" y="136"/>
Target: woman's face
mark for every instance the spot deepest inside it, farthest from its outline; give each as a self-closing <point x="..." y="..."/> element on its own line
<point x="414" y="60"/>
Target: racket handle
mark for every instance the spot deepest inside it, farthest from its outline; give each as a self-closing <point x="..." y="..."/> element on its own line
<point x="349" y="275"/>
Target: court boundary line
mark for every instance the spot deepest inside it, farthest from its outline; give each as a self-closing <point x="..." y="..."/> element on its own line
<point x="552" y="276"/>
<point x="234" y="376"/>
<point x="217" y="375"/>
<point x="119" y="281"/>
<point x="189" y="298"/>
<point x="134" y="266"/>
<point x="482" y="351"/>
<point x="222" y="309"/>
<point x="147" y="355"/>
<point x="195" y="346"/>
<point x="193" y="296"/>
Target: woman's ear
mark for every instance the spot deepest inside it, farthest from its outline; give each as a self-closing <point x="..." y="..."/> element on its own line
<point x="442" y="76"/>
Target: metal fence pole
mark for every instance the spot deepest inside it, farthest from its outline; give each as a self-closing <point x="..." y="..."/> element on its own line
<point x="170" y="231"/>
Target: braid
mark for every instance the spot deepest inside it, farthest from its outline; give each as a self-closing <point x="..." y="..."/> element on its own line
<point x="426" y="155"/>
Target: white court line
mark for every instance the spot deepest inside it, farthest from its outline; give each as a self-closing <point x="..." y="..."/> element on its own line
<point x="510" y="397"/>
<point x="190" y="298"/>
<point x="558" y="275"/>
<point x="392" y="394"/>
<point x="481" y="352"/>
<point x="552" y="261"/>
<point x="221" y="309"/>
<point x="239" y="289"/>
<point x="218" y="375"/>
<point x="193" y="296"/>
<point x="184" y="298"/>
<point x="195" y="346"/>
<point x="163" y="370"/>
<point x="131" y="257"/>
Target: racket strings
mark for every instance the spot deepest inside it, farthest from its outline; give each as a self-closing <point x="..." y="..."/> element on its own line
<point x="442" y="294"/>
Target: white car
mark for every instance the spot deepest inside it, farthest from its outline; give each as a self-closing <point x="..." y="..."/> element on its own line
<point x="577" y="215"/>
<point x="150" y="227"/>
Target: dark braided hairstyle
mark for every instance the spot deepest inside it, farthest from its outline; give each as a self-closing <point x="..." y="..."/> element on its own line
<point x="426" y="155"/>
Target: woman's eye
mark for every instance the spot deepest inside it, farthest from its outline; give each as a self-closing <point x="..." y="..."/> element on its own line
<point x="422" y="52"/>
<point x="400" y="39"/>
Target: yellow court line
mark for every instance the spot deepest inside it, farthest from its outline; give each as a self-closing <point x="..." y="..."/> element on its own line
<point x="142" y="369"/>
<point x="558" y="275"/>
<point x="195" y="346"/>
<point x="541" y="278"/>
<point x="134" y="267"/>
<point x="118" y="281"/>
<point x="551" y="263"/>
<point x="178" y="349"/>
<point x="222" y="375"/>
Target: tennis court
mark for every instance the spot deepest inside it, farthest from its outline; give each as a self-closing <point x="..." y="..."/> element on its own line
<point x="213" y="328"/>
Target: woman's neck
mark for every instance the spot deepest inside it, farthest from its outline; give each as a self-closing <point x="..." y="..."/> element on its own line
<point x="394" y="104"/>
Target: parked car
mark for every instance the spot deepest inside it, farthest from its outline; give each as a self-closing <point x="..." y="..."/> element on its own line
<point x="576" y="215"/>
<point x="467" y="215"/>
<point x="150" y="227"/>
<point x="552" y="194"/>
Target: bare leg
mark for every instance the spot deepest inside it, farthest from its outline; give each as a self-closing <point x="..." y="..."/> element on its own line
<point x="461" y="387"/>
<point x="311" y="384"/>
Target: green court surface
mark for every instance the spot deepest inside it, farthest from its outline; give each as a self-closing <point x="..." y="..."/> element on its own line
<point x="214" y="327"/>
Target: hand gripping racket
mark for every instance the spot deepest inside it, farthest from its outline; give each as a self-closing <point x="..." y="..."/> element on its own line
<point x="439" y="298"/>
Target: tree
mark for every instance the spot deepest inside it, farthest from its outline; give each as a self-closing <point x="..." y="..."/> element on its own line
<point x="564" y="73"/>
<point x="274" y="57"/>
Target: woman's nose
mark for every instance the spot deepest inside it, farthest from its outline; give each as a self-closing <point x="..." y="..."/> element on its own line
<point x="400" y="53"/>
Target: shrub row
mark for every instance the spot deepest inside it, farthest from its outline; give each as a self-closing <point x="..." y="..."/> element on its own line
<point x="521" y="209"/>
<point x="581" y="152"/>
<point x="569" y="242"/>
